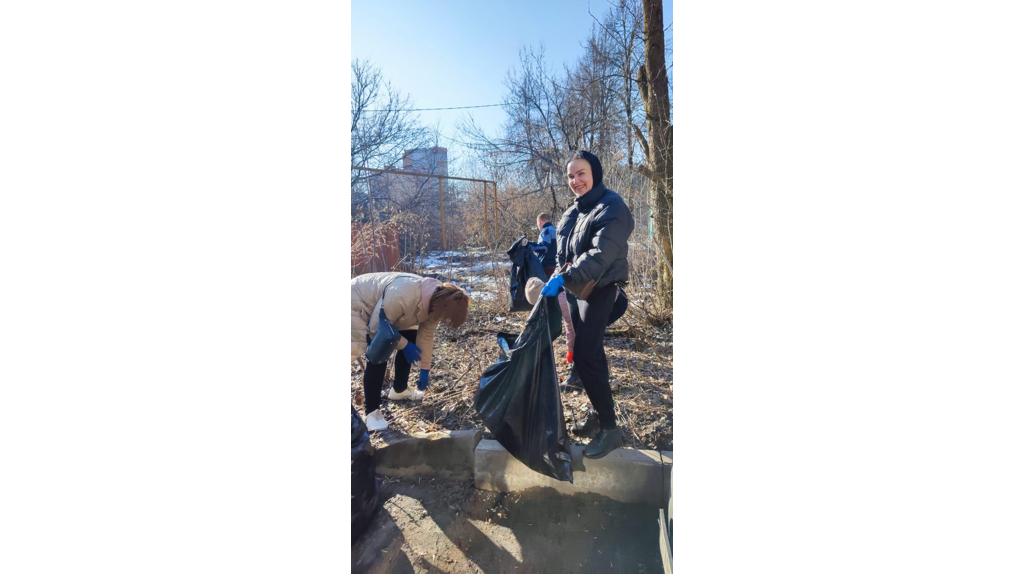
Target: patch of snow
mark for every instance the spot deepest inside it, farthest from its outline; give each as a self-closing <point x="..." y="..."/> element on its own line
<point x="434" y="262"/>
<point x="473" y="268"/>
<point x="478" y="279"/>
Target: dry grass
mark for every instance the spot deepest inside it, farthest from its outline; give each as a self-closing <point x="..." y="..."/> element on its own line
<point x="640" y="364"/>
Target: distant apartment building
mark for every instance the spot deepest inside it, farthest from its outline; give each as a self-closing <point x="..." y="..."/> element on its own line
<point x="433" y="160"/>
<point x="389" y="194"/>
<point x="399" y="188"/>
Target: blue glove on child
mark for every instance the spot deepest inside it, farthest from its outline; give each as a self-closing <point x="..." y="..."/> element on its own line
<point x="553" y="285"/>
<point x="424" y="379"/>
<point x="411" y="352"/>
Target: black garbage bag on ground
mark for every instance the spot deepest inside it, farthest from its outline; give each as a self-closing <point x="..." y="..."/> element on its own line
<point x="519" y="399"/>
<point x="364" y="477"/>
<point x="525" y="264"/>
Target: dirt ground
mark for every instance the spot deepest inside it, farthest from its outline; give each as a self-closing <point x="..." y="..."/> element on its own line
<point x="442" y="526"/>
<point x="639" y="356"/>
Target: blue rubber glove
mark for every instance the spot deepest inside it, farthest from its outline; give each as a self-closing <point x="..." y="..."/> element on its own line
<point x="411" y="352"/>
<point x="553" y="285"/>
<point x="424" y="379"/>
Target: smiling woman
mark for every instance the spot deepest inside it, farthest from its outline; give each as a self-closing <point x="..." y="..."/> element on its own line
<point x="592" y="239"/>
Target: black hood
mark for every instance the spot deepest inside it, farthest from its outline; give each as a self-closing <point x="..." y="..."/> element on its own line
<point x="595" y="165"/>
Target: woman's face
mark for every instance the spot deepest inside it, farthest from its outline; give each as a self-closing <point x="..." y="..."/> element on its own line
<point x="581" y="180"/>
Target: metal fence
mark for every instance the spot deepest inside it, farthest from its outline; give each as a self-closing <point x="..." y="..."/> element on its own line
<point x="385" y="236"/>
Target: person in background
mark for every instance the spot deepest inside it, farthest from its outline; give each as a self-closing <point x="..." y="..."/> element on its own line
<point x="593" y="238"/>
<point x="414" y="305"/>
<point x="545" y="248"/>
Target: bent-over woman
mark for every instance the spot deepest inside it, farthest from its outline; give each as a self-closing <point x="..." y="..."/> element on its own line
<point x="414" y="305"/>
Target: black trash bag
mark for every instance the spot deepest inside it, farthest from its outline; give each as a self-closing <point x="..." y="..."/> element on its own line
<point x="525" y="264"/>
<point x="519" y="400"/>
<point x="364" y="477"/>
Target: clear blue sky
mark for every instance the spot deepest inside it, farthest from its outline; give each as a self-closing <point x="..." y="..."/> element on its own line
<point x="457" y="52"/>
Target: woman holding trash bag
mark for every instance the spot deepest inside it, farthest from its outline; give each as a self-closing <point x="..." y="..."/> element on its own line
<point x="592" y="236"/>
<point x="414" y="305"/>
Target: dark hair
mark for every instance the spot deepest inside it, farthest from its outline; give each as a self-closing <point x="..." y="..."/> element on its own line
<point x="595" y="164"/>
<point x="544" y="217"/>
<point x="450" y="304"/>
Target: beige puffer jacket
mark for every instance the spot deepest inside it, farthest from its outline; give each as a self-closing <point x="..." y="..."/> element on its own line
<point x="406" y="303"/>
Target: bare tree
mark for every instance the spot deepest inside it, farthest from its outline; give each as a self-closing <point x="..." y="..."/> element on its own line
<point x="531" y="145"/>
<point x="548" y="116"/>
<point x="654" y="93"/>
<point x="622" y="28"/>
<point x="383" y="125"/>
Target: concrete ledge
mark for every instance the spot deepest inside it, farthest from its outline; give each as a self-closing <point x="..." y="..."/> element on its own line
<point x="444" y="454"/>
<point x="626" y="475"/>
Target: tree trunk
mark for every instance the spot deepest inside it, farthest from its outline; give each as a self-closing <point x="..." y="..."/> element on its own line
<point x="654" y="93"/>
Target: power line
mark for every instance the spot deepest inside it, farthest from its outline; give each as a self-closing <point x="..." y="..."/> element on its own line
<point x="438" y="109"/>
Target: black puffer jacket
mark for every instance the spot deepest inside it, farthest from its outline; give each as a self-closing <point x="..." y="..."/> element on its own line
<point x="593" y="235"/>
<point x="562" y="232"/>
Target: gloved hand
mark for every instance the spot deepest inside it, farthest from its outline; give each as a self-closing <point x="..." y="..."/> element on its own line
<point x="411" y="352"/>
<point x="424" y="379"/>
<point x="553" y="285"/>
<point x="568" y="357"/>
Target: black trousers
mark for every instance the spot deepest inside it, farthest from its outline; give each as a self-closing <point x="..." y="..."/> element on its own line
<point x="373" y="377"/>
<point x="590" y="318"/>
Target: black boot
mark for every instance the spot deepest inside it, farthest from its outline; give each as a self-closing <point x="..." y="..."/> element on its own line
<point x="572" y="382"/>
<point x="587" y="427"/>
<point x="606" y="441"/>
